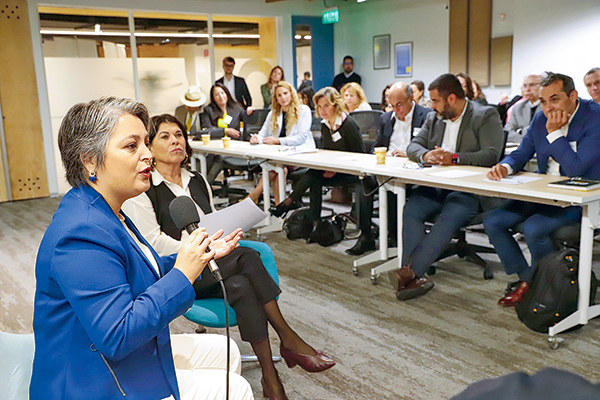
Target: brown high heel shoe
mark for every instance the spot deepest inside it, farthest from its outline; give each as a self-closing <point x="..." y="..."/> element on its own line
<point x="317" y="363"/>
<point x="267" y="393"/>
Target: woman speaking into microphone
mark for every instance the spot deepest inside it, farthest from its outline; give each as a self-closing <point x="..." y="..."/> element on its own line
<point x="104" y="299"/>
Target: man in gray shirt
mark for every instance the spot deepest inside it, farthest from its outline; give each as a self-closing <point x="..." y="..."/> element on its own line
<point x="523" y="111"/>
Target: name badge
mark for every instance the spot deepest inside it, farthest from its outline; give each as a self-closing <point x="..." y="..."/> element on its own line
<point x="227" y="119"/>
<point x="336" y="136"/>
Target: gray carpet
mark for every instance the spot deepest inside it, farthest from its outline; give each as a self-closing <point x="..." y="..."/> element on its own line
<point x="427" y="348"/>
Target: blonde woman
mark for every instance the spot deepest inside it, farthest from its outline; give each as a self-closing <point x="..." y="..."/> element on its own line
<point x="288" y="124"/>
<point x="339" y="132"/>
<point x="266" y="89"/>
<point x="354" y="97"/>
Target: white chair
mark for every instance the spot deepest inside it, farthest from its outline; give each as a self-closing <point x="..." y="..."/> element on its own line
<point x="16" y="362"/>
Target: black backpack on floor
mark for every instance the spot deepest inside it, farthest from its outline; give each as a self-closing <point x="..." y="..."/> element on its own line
<point x="553" y="293"/>
<point x="298" y="225"/>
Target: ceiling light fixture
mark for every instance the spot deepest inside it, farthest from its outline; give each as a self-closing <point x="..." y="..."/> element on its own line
<point x="147" y="34"/>
<point x="297" y="37"/>
<point x="307" y="37"/>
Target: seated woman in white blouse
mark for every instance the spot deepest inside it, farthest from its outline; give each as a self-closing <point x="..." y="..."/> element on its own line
<point x="354" y="97"/>
<point x="251" y="291"/>
<point x="288" y="123"/>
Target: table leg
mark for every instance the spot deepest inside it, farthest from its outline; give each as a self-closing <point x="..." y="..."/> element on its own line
<point x="584" y="311"/>
<point x="199" y="158"/>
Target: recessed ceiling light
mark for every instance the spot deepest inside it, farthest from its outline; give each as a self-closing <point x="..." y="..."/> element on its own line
<point x="307" y="37"/>
<point x="297" y="37"/>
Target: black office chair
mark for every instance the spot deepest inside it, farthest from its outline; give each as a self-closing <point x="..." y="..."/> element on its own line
<point x="368" y="122"/>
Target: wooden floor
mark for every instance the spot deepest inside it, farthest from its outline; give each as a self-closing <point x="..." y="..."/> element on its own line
<point x="427" y="348"/>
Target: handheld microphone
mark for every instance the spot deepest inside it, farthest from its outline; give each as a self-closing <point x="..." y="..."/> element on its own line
<point x="185" y="215"/>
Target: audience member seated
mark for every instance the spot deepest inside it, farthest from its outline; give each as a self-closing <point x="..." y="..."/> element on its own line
<point x="396" y="130"/>
<point x="478" y="94"/>
<point x="385" y="105"/>
<point x="266" y="89"/>
<point x="354" y="97"/>
<point x="460" y="132"/>
<point x="467" y="85"/>
<point x="505" y="104"/>
<point x="522" y="112"/>
<point x="306" y="95"/>
<point x="339" y="132"/>
<point x="347" y="76"/>
<point x="592" y="83"/>
<point x="220" y="118"/>
<point x="104" y="299"/>
<point x="288" y="123"/>
<point x="418" y="90"/>
<point x="306" y="81"/>
<point x="235" y="84"/>
<point x="189" y="113"/>
<point x="566" y="139"/>
<point x="251" y="291"/>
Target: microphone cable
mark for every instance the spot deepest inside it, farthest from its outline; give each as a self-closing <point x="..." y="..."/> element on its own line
<point x="228" y="339"/>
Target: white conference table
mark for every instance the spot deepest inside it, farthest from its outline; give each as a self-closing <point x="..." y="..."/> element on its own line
<point x="397" y="177"/>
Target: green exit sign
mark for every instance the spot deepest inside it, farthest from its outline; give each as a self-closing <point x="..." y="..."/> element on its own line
<point x="331" y="16"/>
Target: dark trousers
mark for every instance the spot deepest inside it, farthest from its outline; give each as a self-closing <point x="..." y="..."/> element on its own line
<point x="453" y="209"/>
<point x="249" y="286"/>
<point x="539" y="223"/>
<point x="314" y="180"/>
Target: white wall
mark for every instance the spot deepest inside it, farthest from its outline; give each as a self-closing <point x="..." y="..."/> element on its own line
<point x="558" y="36"/>
<point x="424" y="22"/>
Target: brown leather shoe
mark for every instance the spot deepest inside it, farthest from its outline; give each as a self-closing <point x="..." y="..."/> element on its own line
<point x="415" y="288"/>
<point x="404" y="276"/>
<point x="517" y="296"/>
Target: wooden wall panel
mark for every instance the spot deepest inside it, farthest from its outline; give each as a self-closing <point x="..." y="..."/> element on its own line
<point x="480" y="34"/>
<point x="20" y="105"/>
<point x="501" y="69"/>
<point x="458" y="35"/>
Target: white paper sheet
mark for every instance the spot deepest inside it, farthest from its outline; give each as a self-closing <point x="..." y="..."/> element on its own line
<point x="515" y="179"/>
<point x="244" y="214"/>
<point x="454" y="173"/>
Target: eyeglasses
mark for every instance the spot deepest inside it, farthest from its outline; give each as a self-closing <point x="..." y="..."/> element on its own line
<point x="400" y="105"/>
<point x="229" y="65"/>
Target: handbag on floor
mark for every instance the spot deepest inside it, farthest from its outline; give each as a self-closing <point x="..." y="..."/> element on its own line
<point x="554" y="291"/>
<point x="298" y="225"/>
<point x="329" y="230"/>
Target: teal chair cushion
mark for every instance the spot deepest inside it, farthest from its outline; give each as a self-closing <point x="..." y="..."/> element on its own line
<point x="211" y="312"/>
<point x="16" y="362"/>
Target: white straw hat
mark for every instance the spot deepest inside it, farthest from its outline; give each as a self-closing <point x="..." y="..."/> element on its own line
<point x="193" y="97"/>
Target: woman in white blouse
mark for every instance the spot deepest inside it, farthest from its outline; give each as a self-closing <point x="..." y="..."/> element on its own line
<point x="251" y="291"/>
<point x="354" y="97"/>
<point x="288" y="124"/>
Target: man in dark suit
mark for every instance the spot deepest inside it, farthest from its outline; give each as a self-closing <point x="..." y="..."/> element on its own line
<point x="396" y="130"/>
<point x="460" y="132"/>
<point x="235" y="84"/>
<point x="347" y="76"/>
<point x="566" y="139"/>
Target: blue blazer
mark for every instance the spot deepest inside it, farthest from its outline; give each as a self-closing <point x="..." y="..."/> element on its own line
<point x="584" y="130"/>
<point x="387" y="122"/>
<point x="101" y="313"/>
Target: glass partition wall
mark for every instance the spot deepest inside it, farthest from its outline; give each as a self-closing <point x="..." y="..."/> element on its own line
<point x="88" y="54"/>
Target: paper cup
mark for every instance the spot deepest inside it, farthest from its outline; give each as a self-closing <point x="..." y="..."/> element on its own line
<point x="226" y="141"/>
<point x="206" y="138"/>
<point x="380" y="154"/>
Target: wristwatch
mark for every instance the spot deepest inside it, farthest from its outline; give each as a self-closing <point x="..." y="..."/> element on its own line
<point x="455" y="159"/>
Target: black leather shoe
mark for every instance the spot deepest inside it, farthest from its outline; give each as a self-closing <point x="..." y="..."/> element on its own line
<point x="363" y="244"/>
<point x="285" y="206"/>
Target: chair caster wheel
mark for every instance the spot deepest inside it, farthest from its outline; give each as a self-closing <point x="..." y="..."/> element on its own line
<point x="431" y="270"/>
<point x="355" y="271"/>
<point x="554" y="342"/>
<point x="374" y="279"/>
<point x="488" y="274"/>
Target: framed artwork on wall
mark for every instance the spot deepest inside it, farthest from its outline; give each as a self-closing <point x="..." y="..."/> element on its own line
<point x="381" y="52"/>
<point x="403" y="52"/>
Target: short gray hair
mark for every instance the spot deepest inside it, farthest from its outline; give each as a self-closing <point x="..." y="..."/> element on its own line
<point x="85" y="131"/>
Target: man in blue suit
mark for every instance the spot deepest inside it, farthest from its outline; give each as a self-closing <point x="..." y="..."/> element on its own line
<point x="460" y="132"/>
<point x="396" y="130"/>
<point x="566" y="139"/>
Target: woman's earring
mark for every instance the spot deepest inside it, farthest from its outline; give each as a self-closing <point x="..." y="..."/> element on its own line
<point x="93" y="176"/>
